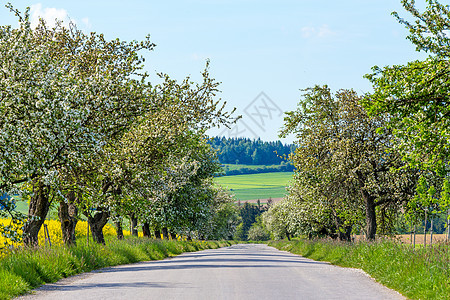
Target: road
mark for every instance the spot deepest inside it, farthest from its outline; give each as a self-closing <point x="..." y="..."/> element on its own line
<point x="250" y="271"/>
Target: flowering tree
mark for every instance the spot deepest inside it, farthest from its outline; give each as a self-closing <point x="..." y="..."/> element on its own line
<point x="163" y="151"/>
<point x="343" y="161"/>
<point x="183" y="198"/>
<point x="63" y="95"/>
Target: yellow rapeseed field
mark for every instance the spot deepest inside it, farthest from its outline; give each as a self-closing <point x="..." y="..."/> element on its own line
<point x="54" y="230"/>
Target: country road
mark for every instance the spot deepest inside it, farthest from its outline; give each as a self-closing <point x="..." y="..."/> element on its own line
<point x="250" y="271"/>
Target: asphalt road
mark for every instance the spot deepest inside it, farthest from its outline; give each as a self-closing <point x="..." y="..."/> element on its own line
<point x="238" y="272"/>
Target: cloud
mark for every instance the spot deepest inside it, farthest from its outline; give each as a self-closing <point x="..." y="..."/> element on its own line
<point x="86" y="22"/>
<point x="323" y="31"/>
<point x="51" y="14"/>
<point x="199" y="57"/>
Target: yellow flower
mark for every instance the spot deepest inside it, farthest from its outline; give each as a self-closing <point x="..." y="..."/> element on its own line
<point x="54" y="232"/>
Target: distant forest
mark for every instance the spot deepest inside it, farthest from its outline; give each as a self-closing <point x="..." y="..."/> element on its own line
<point x="245" y="151"/>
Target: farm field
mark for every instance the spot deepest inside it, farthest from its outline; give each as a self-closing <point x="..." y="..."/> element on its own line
<point x="257" y="186"/>
<point x="406" y="238"/>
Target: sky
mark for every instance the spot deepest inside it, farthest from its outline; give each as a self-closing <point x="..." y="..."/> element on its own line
<point x="262" y="52"/>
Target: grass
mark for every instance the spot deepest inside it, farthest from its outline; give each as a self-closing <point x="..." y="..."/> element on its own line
<point x="421" y="273"/>
<point x="26" y="269"/>
<point x="257" y="186"/>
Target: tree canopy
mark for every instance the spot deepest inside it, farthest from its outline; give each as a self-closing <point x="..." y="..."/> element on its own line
<point x="343" y="163"/>
<point x="416" y="95"/>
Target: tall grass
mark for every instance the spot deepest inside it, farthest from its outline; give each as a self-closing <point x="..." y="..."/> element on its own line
<point x="25" y="269"/>
<point x="421" y="273"/>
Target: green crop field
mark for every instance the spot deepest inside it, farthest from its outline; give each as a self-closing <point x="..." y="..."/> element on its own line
<point x="257" y="186"/>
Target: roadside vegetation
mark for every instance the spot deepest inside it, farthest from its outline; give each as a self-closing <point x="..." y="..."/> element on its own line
<point x="420" y="273"/>
<point x="25" y="269"/>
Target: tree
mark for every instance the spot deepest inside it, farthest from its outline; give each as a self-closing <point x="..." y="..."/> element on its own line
<point x="64" y="95"/>
<point x="258" y="233"/>
<point x="164" y="154"/>
<point x="248" y="213"/>
<point x="416" y="95"/>
<point x="343" y="161"/>
<point x="278" y="220"/>
<point x="428" y="201"/>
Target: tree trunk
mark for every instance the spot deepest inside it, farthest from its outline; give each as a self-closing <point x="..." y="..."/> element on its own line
<point x="157" y="234"/>
<point x="165" y="233"/>
<point x="134" y="222"/>
<point x="346" y="235"/>
<point x="425" y="231"/>
<point x="119" y="230"/>
<point x="371" y="217"/>
<point x="37" y="212"/>
<point x="97" y="222"/>
<point x="431" y="233"/>
<point x="173" y="235"/>
<point x="448" y="225"/>
<point x="146" y="230"/>
<point x="288" y="236"/>
<point x="68" y="216"/>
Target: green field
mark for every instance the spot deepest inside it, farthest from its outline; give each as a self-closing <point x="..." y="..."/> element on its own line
<point x="257" y="186"/>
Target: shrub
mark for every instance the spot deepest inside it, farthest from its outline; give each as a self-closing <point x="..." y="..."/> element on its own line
<point x="257" y="233"/>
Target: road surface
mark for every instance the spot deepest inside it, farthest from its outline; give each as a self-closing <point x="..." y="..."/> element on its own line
<point x="250" y="271"/>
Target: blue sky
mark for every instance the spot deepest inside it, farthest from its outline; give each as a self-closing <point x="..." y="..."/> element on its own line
<point x="263" y="52"/>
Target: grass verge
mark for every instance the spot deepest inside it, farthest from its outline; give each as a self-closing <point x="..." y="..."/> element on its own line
<point x="26" y="269"/>
<point x="421" y="273"/>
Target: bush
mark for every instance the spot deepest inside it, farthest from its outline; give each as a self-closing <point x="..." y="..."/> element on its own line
<point x="239" y="233"/>
<point x="257" y="233"/>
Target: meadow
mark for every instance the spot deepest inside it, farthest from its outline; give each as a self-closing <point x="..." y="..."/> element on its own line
<point x="257" y="186"/>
